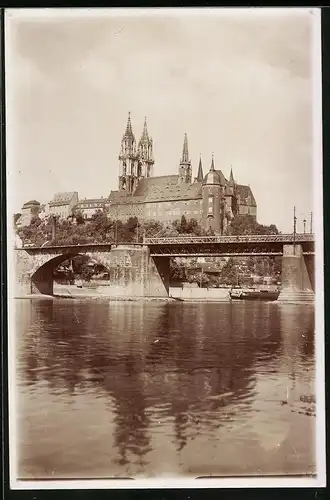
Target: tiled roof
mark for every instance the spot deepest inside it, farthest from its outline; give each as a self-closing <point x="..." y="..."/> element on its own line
<point x="244" y="192"/>
<point x="223" y="180"/>
<point x="163" y="188"/>
<point x="31" y="202"/>
<point x="167" y="188"/>
<point x="62" y="198"/>
<point x="90" y="201"/>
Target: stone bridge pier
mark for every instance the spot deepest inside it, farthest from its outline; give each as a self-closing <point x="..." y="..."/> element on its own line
<point x="298" y="281"/>
<point x="135" y="273"/>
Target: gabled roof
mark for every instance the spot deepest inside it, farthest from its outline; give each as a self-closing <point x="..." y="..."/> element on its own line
<point x="153" y="189"/>
<point x="62" y="198"/>
<point x="31" y="203"/>
<point x="244" y="192"/>
<point x="90" y="201"/>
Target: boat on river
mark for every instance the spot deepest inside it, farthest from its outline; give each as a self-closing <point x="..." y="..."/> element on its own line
<point x="253" y="294"/>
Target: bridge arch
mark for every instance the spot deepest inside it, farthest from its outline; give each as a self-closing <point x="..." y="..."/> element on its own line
<point x="41" y="271"/>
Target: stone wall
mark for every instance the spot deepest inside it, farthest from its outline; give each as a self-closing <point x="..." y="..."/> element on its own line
<point x="125" y="211"/>
<point x="169" y="211"/>
<point x="162" y="211"/>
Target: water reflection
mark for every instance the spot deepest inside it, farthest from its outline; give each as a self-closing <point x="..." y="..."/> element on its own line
<point x="181" y="369"/>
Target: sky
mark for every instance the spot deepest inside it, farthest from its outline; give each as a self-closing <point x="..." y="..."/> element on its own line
<point x="240" y="85"/>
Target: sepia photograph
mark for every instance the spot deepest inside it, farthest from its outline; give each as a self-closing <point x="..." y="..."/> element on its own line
<point x="165" y="248"/>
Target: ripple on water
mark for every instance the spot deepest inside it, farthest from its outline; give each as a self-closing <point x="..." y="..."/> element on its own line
<point x="162" y="388"/>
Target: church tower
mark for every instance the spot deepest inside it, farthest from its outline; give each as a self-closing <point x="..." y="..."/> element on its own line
<point x="185" y="164"/>
<point x="145" y="151"/>
<point x="128" y="160"/>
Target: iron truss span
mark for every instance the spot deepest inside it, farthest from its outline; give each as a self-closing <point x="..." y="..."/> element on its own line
<point x="235" y="246"/>
<point x="253" y="238"/>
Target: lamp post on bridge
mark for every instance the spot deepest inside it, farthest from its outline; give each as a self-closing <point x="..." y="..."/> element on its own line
<point x="116" y="229"/>
<point x="304" y="221"/>
<point x="53" y="219"/>
<point x="294" y="229"/>
<point x="311" y="224"/>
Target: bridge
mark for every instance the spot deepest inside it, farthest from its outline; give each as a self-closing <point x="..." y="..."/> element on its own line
<point x="228" y="246"/>
<point x="143" y="269"/>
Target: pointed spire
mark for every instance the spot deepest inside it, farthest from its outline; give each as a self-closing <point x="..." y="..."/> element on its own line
<point x="212" y="165"/>
<point x="200" y="175"/>
<point x="145" y="135"/>
<point x="129" y="131"/>
<point x="231" y="177"/>
<point x="185" y="154"/>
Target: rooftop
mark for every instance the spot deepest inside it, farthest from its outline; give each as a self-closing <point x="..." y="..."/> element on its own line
<point x="31" y="202"/>
<point x="63" y="198"/>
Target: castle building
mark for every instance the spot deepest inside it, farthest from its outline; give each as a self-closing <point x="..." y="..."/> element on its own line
<point x="63" y="204"/>
<point x="30" y="209"/>
<point x="88" y="207"/>
<point x="211" y="199"/>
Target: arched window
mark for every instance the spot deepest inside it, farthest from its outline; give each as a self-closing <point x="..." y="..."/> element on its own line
<point x="210" y="207"/>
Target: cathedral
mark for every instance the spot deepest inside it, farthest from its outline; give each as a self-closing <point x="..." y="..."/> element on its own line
<point x="211" y="199"/>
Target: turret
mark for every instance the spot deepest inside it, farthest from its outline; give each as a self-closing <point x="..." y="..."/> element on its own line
<point x="213" y="201"/>
<point x="200" y="174"/>
<point x="231" y="202"/>
<point x="185" y="164"/>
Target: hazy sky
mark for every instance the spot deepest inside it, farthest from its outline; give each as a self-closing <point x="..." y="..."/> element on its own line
<point x="239" y="85"/>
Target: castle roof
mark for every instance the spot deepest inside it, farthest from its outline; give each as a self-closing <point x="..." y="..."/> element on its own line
<point x="62" y="198"/>
<point x="91" y="201"/>
<point x="245" y="195"/>
<point x="163" y="188"/>
<point x="215" y="177"/>
<point x="167" y="188"/>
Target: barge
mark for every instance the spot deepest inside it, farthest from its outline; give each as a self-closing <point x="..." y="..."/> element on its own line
<point x="253" y="294"/>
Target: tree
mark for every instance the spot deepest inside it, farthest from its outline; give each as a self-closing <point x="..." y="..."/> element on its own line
<point x="229" y="274"/>
<point x="16" y="217"/>
<point x="79" y="218"/>
<point x="177" y="271"/>
<point x="183" y="226"/>
<point x="86" y="272"/>
<point x="246" y="224"/>
<point x="78" y="263"/>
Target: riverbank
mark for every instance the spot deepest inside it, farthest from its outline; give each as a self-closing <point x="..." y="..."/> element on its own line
<point x="106" y="293"/>
<point x="181" y="294"/>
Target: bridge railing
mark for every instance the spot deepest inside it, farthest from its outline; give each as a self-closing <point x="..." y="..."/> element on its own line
<point x="256" y="238"/>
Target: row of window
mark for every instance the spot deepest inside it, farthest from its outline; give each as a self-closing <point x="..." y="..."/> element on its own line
<point x="174" y="212"/>
<point x="90" y="205"/>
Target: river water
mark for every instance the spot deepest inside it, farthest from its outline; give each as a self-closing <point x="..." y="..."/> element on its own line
<point x="145" y="389"/>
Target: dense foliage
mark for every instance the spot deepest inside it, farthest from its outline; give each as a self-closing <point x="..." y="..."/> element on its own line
<point x="246" y="224"/>
<point x="101" y="229"/>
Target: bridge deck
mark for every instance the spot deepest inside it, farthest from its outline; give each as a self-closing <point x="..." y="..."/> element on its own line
<point x="181" y="246"/>
<point x="254" y="238"/>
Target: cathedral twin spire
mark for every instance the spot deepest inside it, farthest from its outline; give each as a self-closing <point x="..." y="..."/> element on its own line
<point x="136" y="161"/>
